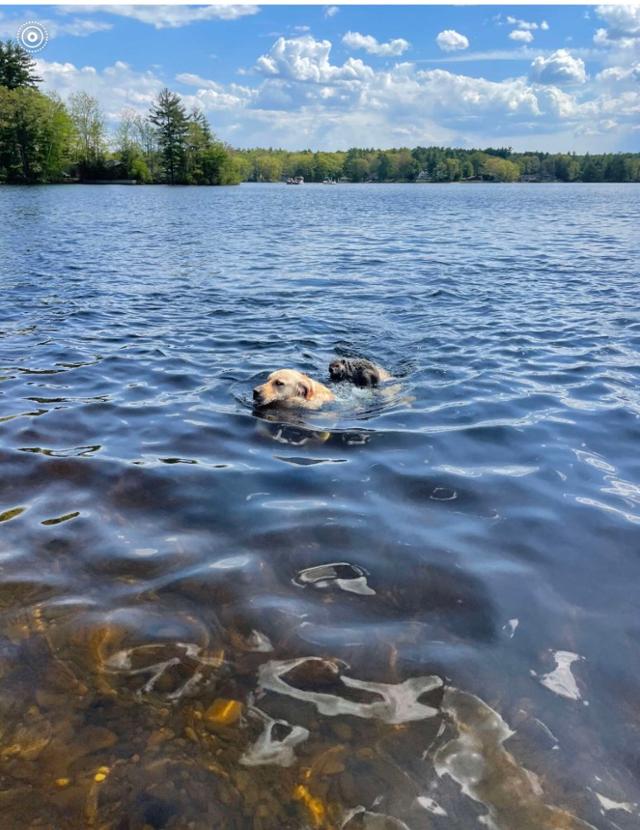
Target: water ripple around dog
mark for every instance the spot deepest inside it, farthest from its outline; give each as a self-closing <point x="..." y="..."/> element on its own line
<point x="473" y="522"/>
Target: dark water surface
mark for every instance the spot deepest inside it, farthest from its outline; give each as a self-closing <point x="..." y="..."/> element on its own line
<point x="418" y="608"/>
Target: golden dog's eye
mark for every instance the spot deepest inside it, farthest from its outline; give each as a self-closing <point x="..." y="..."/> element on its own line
<point x="279" y="382"/>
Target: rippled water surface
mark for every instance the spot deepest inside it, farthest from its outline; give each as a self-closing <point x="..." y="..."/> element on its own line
<point x="416" y="608"/>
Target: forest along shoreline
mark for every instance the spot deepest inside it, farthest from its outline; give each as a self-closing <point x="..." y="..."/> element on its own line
<point x="44" y="140"/>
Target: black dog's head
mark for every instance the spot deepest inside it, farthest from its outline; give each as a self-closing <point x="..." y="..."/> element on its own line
<point x="359" y="371"/>
<point x="339" y="369"/>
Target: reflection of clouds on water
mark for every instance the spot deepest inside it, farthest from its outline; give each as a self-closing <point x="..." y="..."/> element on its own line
<point x="122" y="662"/>
<point x="347" y="577"/>
<point x="510" y="627"/>
<point x="509" y="471"/>
<point x="609" y="804"/>
<point x="361" y="819"/>
<point x="395" y="703"/>
<point x="561" y="679"/>
<point x="430" y="805"/>
<point x="486" y="772"/>
<point x="271" y="749"/>
<point x="626" y="491"/>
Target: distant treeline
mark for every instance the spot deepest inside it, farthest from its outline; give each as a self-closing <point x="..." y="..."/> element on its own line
<point x="43" y="139"/>
<point x="440" y="164"/>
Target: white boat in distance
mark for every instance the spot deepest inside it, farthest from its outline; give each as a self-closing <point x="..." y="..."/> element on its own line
<point x="296" y="180"/>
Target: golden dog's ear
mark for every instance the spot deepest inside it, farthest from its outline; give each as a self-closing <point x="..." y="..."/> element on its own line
<point x="304" y="390"/>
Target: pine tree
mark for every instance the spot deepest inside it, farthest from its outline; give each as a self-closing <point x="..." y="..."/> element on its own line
<point x="16" y="67"/>
<point x="169" y="117"/>
<point x="198" y="141"/>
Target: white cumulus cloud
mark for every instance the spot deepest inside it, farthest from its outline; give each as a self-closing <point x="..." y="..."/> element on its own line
<point x="299" y="98"/>
<point x="116" y="87"/>
<point x="521" y="24"/>
<point x="527" y="25"/>
<point x="451" y="41"/>
<point x="621" y="37"/>
<point x="619" y="75"/>
<point x="307" y="59"/>
<point x="210" y="95"/>
<point x="622" y="21"/>
<point x="331" y="11"/>
<point x="559" y="68"/>
<point x="354" y="40"/>
<point x="521" y="35"/>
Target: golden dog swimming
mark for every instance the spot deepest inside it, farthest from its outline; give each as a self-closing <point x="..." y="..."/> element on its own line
<point x="288" y="387"/>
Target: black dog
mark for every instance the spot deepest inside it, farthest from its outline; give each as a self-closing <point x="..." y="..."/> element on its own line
<point x="358" y="370"/>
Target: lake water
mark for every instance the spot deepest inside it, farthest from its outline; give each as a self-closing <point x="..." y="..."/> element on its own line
<point x="416" y="609"/>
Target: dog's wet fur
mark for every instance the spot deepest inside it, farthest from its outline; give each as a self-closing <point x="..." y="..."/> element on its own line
<point x="288" y="387"/>
<point x="357" y="370"/>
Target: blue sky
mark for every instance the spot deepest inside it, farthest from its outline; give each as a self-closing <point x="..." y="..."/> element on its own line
<point x="330" y="77"/>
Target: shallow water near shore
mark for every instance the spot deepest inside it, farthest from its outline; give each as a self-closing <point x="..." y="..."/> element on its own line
<point x="416" y="609"/>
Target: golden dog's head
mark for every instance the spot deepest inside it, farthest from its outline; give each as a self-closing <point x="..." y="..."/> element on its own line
<point x="285" y="386"/>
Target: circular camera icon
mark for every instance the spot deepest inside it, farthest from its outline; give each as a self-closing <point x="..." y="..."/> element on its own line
<point x="32" y="36"/>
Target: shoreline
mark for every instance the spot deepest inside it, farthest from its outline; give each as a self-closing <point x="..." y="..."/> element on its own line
<point x="306" y="184"/>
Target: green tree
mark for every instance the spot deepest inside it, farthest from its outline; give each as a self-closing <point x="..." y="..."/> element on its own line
<point x="170" y="120"/>
<point x="231" y="169"/>
<point x="500" y="170"/>
<point x="617" y="169"/>
<point x="326" y="166"/>
<point x="35" y="136"/>
<point x="301" y="164"/>
<point x="567" y="168"/>
<point x="454" y="169"/>
<point x="241" y="166"/>
<point x="466" y="169"/>
<point x="198" y="141"/>
<point x="633" y="163"/>
<point x="208" y="160"/>
<point x="357" y="170"/>
<point x="440" y="172"/>
<point x="384" y="167"/>
<point x="90" y="143"/>
<point x="145" y="136"/>
<point x="477" y="159"/>
<point x="592" y="169"/>
<point x="407" y="166"/>
<point x="267" y="168"/>
<point x="128" y="150"/>
<point x="17" y="67"/>
<point x="356" y="166"/>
